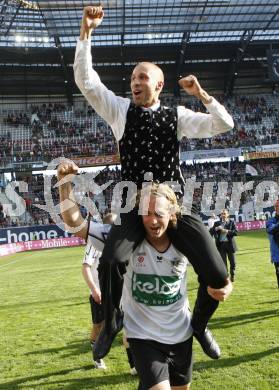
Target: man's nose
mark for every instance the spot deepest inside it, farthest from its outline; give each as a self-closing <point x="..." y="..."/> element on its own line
<point x="154" y="221"/>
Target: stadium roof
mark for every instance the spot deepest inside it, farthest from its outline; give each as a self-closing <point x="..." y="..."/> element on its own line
<point x="37" y="40"/>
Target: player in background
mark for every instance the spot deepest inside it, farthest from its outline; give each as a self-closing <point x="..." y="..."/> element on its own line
<point x="90" y="274"/>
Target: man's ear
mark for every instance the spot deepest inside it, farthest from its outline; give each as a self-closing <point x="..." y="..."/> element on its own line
<point x="159" y="85"/>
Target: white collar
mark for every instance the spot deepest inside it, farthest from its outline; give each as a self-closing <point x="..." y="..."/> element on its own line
<point x="154" y="107"/>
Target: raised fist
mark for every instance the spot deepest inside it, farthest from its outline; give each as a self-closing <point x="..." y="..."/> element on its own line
<point x="66" y="168"/>
<point x="190" y="84"/>
<point x="92" y="17"/>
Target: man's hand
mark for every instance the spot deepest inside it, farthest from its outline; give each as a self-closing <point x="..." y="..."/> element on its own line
<point x="92" y="18"/>
<point x="191" y="85"/>
<point x="70" y="210"/>
<point x="96" y="294"/>
<point x="66" y="168"/>
<point x="221" y="294"/>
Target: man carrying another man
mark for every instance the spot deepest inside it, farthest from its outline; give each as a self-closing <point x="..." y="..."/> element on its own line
<point x="149" y="135"/>
<point x="157" y="320"/>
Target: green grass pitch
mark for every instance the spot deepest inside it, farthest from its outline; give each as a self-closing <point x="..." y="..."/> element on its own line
<point x="45" y="322"/>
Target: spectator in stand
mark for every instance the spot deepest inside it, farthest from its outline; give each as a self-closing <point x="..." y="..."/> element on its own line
<point x="2" y="216"/>
<point x="272" y="227"/>
<point x="43" y="122"/>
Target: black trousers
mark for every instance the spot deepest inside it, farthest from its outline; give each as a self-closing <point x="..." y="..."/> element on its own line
<point x="276" y="265"/>
<point x="190" y="237"/>
<point x="227" y="253"/>
<point x="97" y="312"/>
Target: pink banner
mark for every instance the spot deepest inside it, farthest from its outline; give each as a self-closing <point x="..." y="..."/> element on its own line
<point x="8" y="249"/>
<point x="97" y="160"/>
<point x="250" y="225"/>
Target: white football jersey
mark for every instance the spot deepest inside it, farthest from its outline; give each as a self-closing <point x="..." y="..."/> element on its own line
<point x="91" y="257"/>
<point x="154" y="298"/>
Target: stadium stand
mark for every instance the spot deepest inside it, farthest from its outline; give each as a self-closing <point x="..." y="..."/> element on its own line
<point x="56" y="132"/>
<point x="43" y="116"/>
<point x="47" y="131"/>
<point x="231" y="171"/>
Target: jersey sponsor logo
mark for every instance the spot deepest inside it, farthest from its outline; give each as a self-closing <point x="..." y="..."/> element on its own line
<point x="155" y="290"/>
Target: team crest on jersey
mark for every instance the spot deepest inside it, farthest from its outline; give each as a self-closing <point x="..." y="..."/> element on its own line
<point x="140" y="259"/>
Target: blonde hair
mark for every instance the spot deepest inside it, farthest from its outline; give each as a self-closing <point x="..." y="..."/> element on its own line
<point x="159" y="190"/>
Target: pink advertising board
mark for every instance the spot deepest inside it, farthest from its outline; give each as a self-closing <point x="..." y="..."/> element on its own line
<point x="250" y="225"/>
<point x="8" y="249"/>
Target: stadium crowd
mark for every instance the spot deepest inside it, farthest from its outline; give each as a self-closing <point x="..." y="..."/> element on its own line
<point x="232" y="171"/>
<point x="54" y="130"/>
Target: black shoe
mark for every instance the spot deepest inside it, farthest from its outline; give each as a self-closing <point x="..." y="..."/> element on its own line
<point x="208" y="344"/>
<point x="105" y="339"/>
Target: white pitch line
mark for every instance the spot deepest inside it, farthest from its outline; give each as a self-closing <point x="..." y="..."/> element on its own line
<point x="13" y="262"/>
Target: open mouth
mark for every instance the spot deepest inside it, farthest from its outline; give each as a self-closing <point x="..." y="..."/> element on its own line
<point x="155" y="230"/>
<point x="136" y="93"/>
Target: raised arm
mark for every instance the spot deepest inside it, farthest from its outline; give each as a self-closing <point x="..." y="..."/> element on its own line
<point x="70" y="210"/>
<point x="192" y="87"/>
<point x="110" y="107"/>
<point x="198" y="124"/>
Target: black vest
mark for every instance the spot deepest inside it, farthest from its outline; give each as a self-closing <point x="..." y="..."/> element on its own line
<point x="150" y="144"/>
